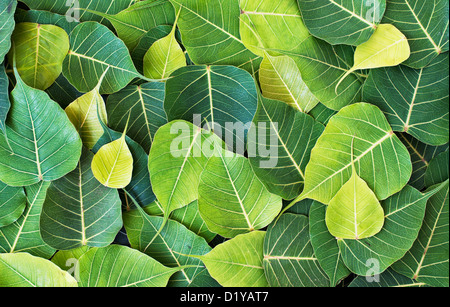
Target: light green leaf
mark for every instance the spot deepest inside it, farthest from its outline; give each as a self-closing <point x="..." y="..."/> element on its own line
<point x="68" y="260"/>
<point x="39" y="52"/>
<point x="231" y="199"/>
<point x="349" y="22"/>
<point x="39" y="145"/>
<point x="121" y="266"/>
<point x="7" y="10"/>
<point x="289" y="259"/>
<point x="238" y="262"/>
<point x="425" y="24"/>
<point x="24" y="270"/>
<point x="79" y="211"/>
<point x="12" y="204"/>
<point x="414" y="101"/>
<point x="354" y="212"/>
<point x="24" y="235"/>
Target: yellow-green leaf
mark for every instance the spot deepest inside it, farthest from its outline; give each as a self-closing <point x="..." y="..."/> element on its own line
<point x="113" y="164"/>
<point x="386" y="47"/>
<point x="40" y="51"/>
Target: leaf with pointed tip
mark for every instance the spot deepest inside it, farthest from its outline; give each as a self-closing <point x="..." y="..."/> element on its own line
<point x="121" y="266"/>
<point x="427" y="260"/>
<point x="12" y="204"/>
<point x="289" y="259"/>
<point x="210" y="33"/>
<point x="437" y="170"/>
<point x="414" y="101"/>
<point x="231" y="199"/>
<point x="425" y="24"/>
<point x="24" y="235"/>
<point x="25" y="270"/>
<point x="79" y="211"/>
<point x="145" y="102"/>
<point x="238" y="262"/>
<point x="349" y="22"/>
<point x="7" y="10"/>
<point x="39" y="52"/>
<point x="39" y="145"/>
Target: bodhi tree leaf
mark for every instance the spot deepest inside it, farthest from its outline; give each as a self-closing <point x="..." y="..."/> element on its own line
<point x="238" y="262"/>
<point x="354" y="212"/>
<point x="39" y="50"/>
<point x="4" y="97"/>
<point x="425" y="24"/>
<point x="414" y="101"/>
<point x="121" y="266"/>
<point x="38" y="146"/>
<point x="46" y="18"/>
<point x="386" y="47"/>
<point x="24" y="234"/>
<point x="25" y="270"/>
<point x="12" y="204"/>
<point x="79" y="211"/>
<point x="289" y="259"/>
<point x="437" y="170"/>
<point x="231" y="199"/>
<point x="349" y="22"/>
<point x="7" y="10"/>
<point x="388" y="278"/>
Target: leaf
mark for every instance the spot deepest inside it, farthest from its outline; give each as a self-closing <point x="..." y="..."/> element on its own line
<point x="7" y="10"/>
<point x="388" y="278"/>
<point x="112" y="165"/>
<point x="342" y="22"/>
<point x="24" y="270"/>
<point x="67" y="260"/>
<point x="404" y="213"/>
<point x="437" y="170"/>
<point x="12" y="204"/>
<point x="45" y="18"/>
<point x="354" y="212"/>
<point x="279" y="147"/>
<point x="164" y="57"/>
<point x="386" y="47"/>
<point x="93" y="49"/>
<point x="325" y="245"/>
<point x="210" y="33"/>
<point x="79" y="211"/>
<point x="280" y="79"/>
<point x="4" y="98"/>
<point x="414" y="101"/>
<point x="380" y="158"/>
<point x="39" y="146"/>
<point x="231" y="199"/>
<point x="225" y="95"/>
<point x="265" y="24"/>
<point x="289" y="259"/>
<point x="23" y="236"/>
<point x="427" y="260"/>
<point x="145" y="103"/>
<point x="120" y="266"/>
<point x="238" y="262"/>
<point x="425" y="24"/>
<point x="133" y="22"/>
<point x="83" y="115"/>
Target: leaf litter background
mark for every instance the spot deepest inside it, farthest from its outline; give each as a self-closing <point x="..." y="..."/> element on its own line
<point x="358" y="92"/>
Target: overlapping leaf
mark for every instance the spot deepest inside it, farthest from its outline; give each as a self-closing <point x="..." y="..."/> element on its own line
<point x="7" y="10"/>
<point x="12" y="204"/>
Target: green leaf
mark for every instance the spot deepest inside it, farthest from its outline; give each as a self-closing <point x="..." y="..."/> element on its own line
<point x="346" y="22"/>
<point x="414" y="101"/>
<point x="289" y="259"/>
<point x="69" y="259"/>
<point x="231" y="199"/>
<point x="39" y="146"/>
<point x="4" y="98"/>
<point x="24" y="234"/>
<point x="238" y="262"/>
<point x="210" y="33"/>
<point x="325" y="245"/>
<point x="280" y="79"/>
<point x="145" y="103"/>
<point x="24" y="270"/>
<point x="386" y="47"/>
<point x="425" y="24"/>
<point x="354" y="212"/>
<point x="121" y="266"/>
<point x="12" y="204"/>
<point x="45" y="18"/>
<point x="93" y="49"/>
<point x="79" y="211"/>
<point x="277" y="153"/>
<point x="437" y="170"/>
<point x="7" y="10"/>
<point x="427" y="260"/>
<point x="388" y="278"/>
